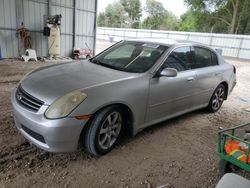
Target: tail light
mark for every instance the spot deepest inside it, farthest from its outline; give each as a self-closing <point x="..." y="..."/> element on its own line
<point x="234" y="69"/>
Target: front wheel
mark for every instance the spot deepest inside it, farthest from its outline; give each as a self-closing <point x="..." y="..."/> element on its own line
<point x="103" y="131"/>
<point x="217" y="99"/>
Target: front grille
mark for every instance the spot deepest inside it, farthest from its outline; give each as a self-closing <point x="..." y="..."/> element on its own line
<point x="27" y="100"/>
<point x="33" y="134"/>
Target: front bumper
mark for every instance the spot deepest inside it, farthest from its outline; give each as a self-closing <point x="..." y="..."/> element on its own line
<point x="59" y="135"/>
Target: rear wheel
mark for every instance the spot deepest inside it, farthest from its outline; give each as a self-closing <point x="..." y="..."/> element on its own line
<point x="103" y="131"/>
<point x="217" y="99"/>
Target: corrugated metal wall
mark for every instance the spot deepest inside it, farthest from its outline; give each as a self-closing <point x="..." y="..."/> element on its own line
<point x="31" y="12"/>
<point x="8" y="41"/>
<point x="232" y="45"/>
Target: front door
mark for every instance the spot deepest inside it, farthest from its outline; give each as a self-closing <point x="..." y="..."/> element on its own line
<point x="169" y="96"/>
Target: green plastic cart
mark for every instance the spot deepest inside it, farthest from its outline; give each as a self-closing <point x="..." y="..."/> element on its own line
<point x="227" y="162"/>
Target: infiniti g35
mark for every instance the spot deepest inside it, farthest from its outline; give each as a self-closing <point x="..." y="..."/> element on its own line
<point x="129" y="86"/>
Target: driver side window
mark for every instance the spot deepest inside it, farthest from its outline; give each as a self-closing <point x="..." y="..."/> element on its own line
<point x="179" y="59"/>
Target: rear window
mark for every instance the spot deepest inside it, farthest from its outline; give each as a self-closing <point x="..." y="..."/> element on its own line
<point x="204" y="58"/>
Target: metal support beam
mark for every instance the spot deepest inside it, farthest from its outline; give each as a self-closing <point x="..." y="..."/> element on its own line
<point x="95" y="28"/>
<point x="240" y="47"/>
<point x="74" y="25"/>
<point x="19" y="20"/>
<point x="49" y="7"/>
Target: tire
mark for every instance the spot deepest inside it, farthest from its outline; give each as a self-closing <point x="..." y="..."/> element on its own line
<point x="103" y="131"/>
<point x="217" y="99"/>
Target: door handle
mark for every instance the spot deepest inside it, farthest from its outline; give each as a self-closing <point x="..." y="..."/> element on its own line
<point x="190" y="79"/>
<point x="218" y="73"/>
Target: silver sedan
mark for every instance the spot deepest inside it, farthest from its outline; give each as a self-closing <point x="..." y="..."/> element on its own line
<point x="129" y="86"/>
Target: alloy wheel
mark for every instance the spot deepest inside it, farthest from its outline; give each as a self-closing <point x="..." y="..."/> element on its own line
<point x="218" y="98"/>
<point x="110" y="130"/>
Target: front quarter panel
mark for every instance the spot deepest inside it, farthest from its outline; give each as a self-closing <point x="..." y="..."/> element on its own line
<point x="132" y="91"/>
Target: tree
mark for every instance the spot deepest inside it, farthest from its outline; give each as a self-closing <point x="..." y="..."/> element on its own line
<point x="169" y="22"/>
<point x="154" y="8"/>
<point x="243" y="22"/>
<point x="158" y="17"/>
<point x="188" y="22"/>
<point x="101" y="20"/>
<point x="134" y="11"/>
<point x="225" y="11"/>
<point x="114" y="16"/>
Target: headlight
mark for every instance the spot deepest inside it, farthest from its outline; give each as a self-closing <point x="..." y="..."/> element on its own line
<point x="63" y="106"/>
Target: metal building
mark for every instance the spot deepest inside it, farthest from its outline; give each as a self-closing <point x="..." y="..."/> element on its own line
<point x="78" y="24"/>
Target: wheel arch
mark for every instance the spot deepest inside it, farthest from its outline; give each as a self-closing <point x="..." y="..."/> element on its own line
<point x="225" y="84"/>
<point x="126" y="110"/>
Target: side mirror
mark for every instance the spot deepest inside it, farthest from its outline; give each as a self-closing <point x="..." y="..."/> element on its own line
<point x="168" y="72"/>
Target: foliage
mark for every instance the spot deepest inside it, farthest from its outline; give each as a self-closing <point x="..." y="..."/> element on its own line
<point x="158" y="17"/>
<point x="188" y="22"/>
<point x="169" y="22"/>
<point x="114" y="16"/>
<point x="154" y="8"/>
<point x="218" y="16"/>
<point x="223" y="16"/>
<point x="134" y="11"/>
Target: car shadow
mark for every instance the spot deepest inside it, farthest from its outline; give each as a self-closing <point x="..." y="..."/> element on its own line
<point x="125" y="138"/>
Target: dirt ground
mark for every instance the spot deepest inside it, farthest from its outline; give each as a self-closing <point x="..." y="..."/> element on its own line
<point x="176" y="153"/>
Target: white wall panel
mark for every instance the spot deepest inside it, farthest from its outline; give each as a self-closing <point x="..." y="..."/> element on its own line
<point x="201" y="39"/>
<point x="232" y="45"/>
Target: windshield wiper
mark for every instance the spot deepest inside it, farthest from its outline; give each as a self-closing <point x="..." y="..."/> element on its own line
<point x="93" y="60"/>
<point x="107" y="65"/>
<point x="98" y="62"/>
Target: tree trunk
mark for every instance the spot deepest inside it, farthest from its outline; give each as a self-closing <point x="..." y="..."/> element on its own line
<point x="235" y="12"/>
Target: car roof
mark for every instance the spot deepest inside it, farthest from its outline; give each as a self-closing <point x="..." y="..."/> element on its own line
<point x="167" y="42"/>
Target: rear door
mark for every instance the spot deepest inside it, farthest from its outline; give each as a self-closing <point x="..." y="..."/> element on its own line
<point x="208" y="72"/>
<point x="172" y="95"/>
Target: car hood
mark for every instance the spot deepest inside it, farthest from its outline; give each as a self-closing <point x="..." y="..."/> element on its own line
<point x="51" y="82"/>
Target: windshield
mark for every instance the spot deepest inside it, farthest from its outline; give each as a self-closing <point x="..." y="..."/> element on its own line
<point x="130" y="56"/>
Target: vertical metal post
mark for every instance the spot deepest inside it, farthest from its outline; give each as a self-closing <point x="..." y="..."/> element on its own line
<point x="124" y="34"/>
<point x="49" y="7"/>
<point x="239" y="49"/>
<point x="104" y="34"/>
<point x="49" y="14"/>
<point x="211" y="40"/>
<point x="94" y="45"/>
<point x="74" y="25"/>
<point x="19" y="12"/>
<point x="167" y="35"/>
<point x="19" y="20"/>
